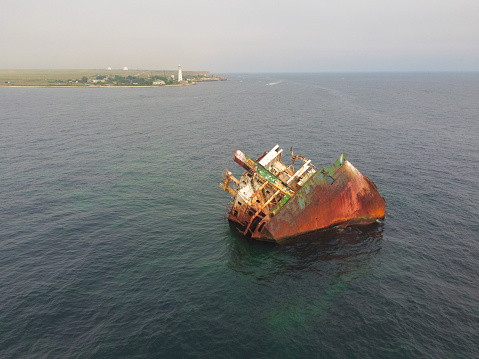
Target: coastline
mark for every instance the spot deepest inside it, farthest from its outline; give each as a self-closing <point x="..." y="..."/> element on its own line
<point x="96" y="86"/>
<point x="103" y="78"/>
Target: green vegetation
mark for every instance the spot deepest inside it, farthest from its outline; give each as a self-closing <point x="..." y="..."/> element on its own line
<point x="63" y="78"/>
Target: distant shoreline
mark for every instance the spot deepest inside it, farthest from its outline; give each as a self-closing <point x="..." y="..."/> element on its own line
<point x="96" y="86"/>
<point x="102" y="78"/>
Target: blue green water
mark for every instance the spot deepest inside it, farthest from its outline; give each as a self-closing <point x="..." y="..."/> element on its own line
<point x="114" y="242"/>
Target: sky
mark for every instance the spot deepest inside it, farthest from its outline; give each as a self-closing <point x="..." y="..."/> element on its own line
<point x="241" y="36"/>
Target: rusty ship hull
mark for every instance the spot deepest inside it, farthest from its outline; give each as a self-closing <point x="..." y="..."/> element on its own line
<point x="272" y="201"/>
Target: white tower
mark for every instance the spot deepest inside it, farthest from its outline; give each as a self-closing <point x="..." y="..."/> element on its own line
<point x="180" y="75"/>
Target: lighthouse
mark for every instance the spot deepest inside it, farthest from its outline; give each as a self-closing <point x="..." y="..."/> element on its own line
<point x="180" y="75"/>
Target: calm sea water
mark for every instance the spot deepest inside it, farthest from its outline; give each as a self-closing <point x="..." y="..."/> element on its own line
<point x="114" y="243"/>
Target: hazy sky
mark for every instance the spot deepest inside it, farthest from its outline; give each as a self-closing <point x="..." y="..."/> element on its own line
<point x="241" y="35"/>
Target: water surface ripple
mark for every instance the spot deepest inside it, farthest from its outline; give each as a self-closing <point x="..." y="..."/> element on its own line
<point x="114" y="242"/>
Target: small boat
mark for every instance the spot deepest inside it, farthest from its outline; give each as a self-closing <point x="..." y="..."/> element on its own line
<point x="272" y="201"/>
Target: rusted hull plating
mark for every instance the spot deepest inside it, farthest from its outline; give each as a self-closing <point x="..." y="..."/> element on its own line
<point x="273" y="202"/>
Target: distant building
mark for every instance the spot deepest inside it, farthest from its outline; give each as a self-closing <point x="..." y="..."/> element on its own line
<point x="180" y="75"/>
<point x="109" y="68"/>
<point x="125" y="68"/>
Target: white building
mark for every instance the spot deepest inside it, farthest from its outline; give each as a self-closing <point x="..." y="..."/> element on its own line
<point x="180" y="75"/>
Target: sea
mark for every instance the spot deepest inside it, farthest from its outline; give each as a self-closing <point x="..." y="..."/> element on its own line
<point x="114" y="242"/>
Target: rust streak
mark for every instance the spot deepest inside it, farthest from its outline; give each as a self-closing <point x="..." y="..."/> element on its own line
<point x="259" y="210"/>
<point x="314" y="198"/>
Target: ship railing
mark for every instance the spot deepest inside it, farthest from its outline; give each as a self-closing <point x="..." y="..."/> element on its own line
<point x="259" y="211"/>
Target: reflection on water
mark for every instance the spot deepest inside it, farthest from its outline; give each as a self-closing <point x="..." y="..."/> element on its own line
<point x="306" y="274"/>
<point x="340" y="250"/>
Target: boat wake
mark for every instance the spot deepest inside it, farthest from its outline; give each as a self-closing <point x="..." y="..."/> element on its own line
<point x="274" y="83"/>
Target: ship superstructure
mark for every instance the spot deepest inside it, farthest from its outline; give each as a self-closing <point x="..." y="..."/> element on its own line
<point x="272" y="201"/>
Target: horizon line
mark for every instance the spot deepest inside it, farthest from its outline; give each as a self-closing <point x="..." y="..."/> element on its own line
<point x="250" y="72"/>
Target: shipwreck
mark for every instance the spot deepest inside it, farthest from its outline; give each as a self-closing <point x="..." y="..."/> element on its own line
<point x="272" y="201"/>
